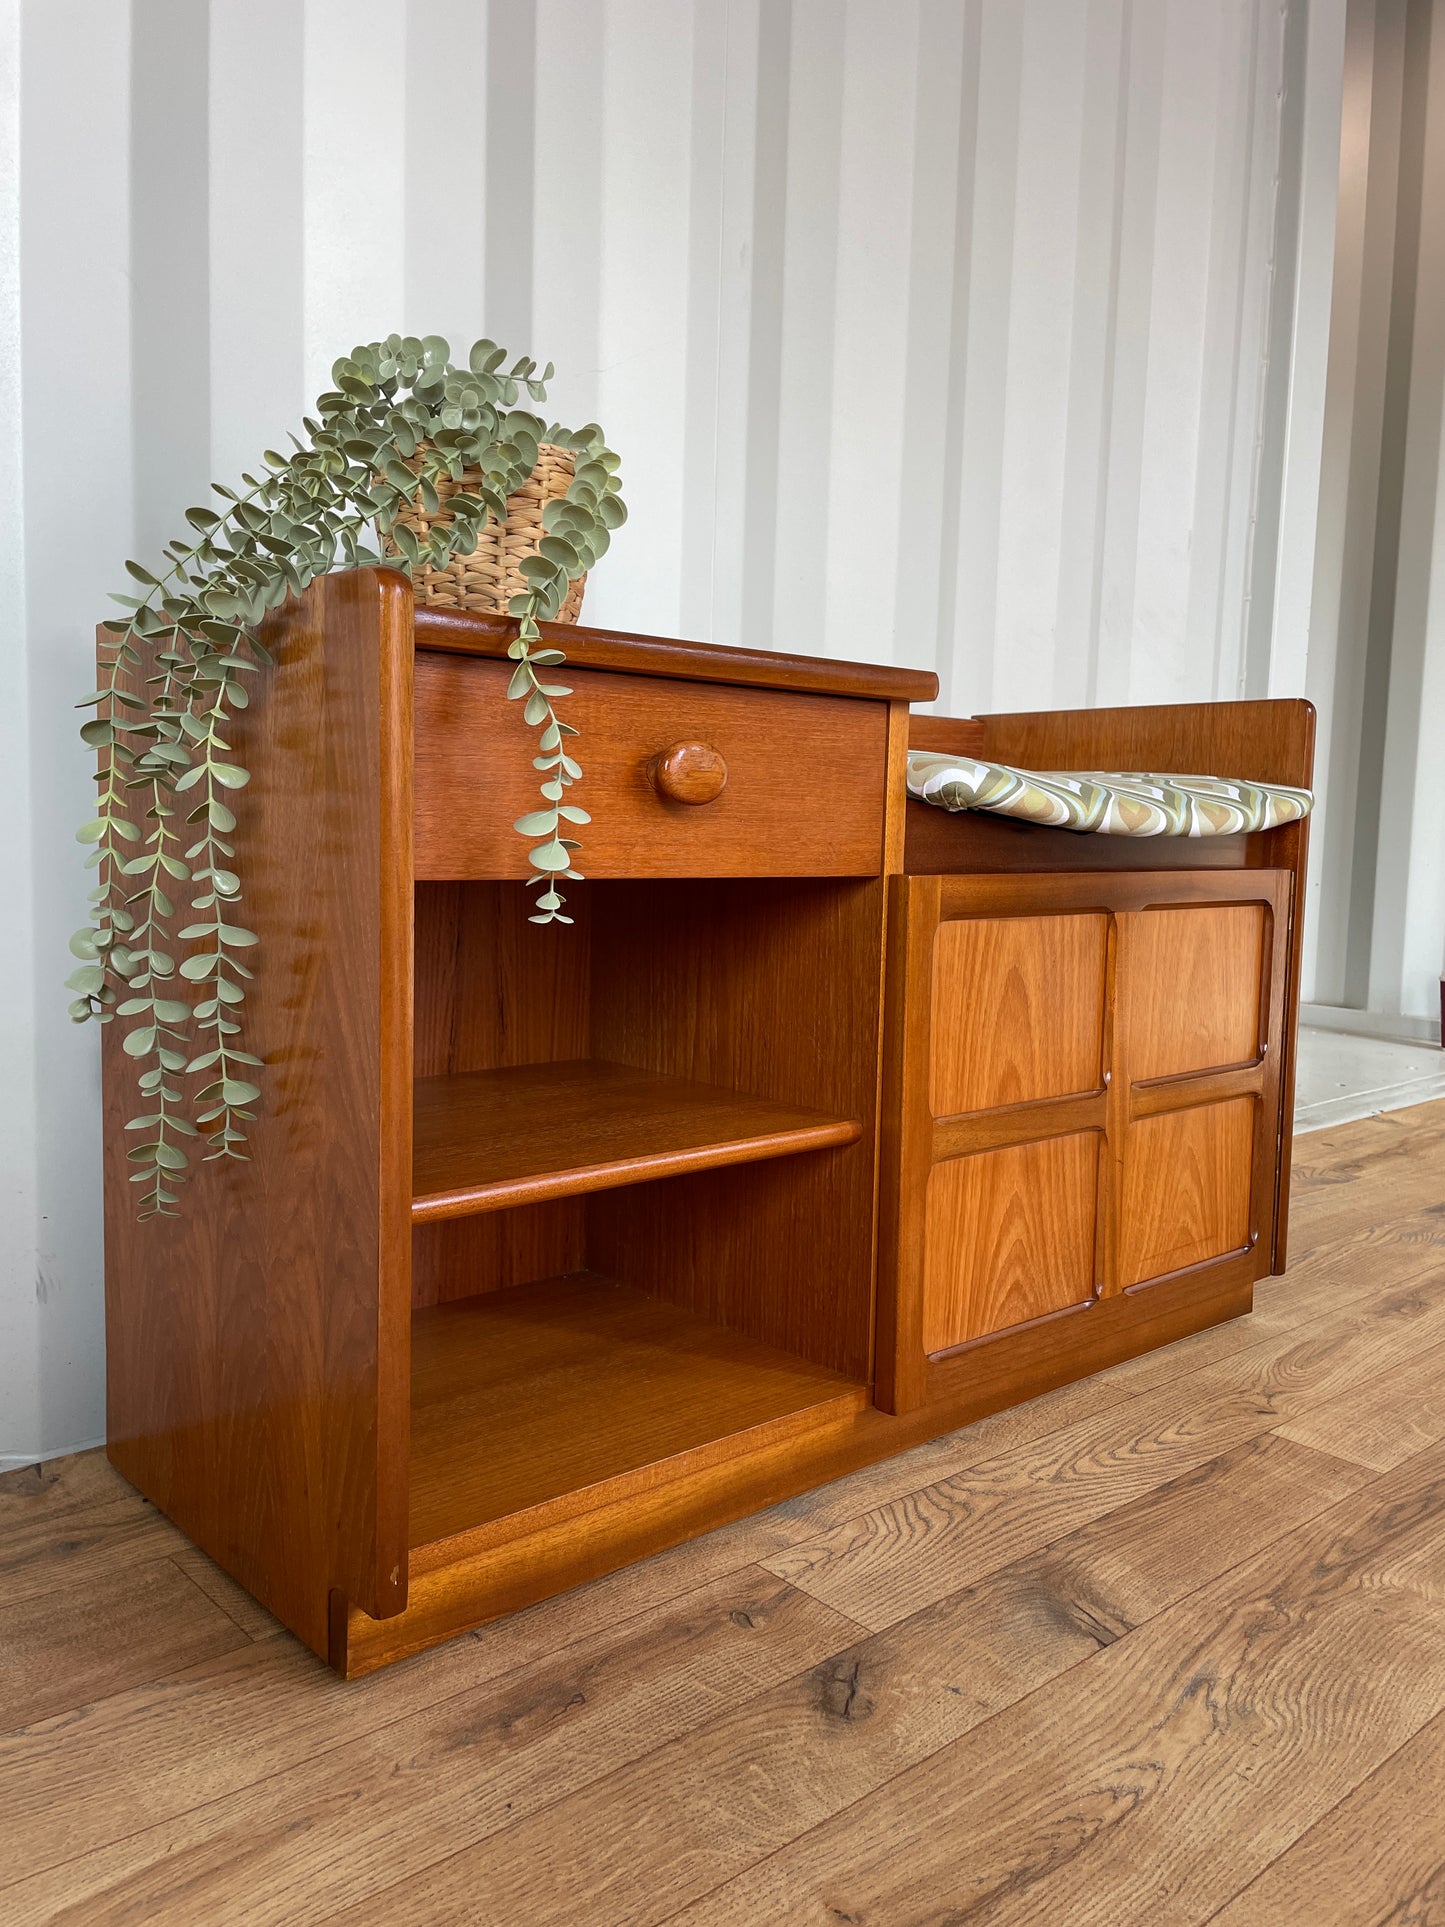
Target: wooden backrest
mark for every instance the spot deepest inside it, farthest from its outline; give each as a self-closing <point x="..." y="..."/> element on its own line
<point x="1269" y="742"/>
<point x="957" y="735"/>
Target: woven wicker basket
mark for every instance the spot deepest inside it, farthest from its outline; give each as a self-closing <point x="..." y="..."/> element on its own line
<point x="490" y="576"/>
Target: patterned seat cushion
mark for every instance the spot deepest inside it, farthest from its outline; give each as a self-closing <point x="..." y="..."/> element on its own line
<point x="1110" y="803"/>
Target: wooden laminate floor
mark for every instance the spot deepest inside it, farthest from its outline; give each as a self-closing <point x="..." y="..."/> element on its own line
<point x="1166" y="1646"/>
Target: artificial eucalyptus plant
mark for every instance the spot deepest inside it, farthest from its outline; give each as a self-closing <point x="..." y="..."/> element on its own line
<point x="174" y="669"/>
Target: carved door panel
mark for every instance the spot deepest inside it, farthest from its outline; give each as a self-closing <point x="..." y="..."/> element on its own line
<point x="1083" y="1098"/>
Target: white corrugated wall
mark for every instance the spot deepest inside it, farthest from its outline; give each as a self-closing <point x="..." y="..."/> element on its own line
<point x="1376" y="667"/>
<point x="938" y="331"/>
<point x="927" y="330"/>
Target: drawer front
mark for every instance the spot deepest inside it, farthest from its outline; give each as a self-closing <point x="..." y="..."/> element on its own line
<point x="804" y="791"/>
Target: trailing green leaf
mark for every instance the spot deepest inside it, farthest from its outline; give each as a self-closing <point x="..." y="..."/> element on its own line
<point x="399" y="420"/>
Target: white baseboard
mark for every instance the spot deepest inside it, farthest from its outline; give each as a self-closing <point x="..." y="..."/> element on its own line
<point x="1361" y="1104"/>
<point x="1372" y="1023"/>
<point x="17" y="1461"/>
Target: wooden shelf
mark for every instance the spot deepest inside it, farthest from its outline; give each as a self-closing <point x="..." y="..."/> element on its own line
<point x="487" y="1140"/>
<point x="549" y="1391"/>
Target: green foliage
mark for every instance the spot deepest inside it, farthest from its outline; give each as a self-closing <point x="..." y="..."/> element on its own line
<point x="399" y="419"/>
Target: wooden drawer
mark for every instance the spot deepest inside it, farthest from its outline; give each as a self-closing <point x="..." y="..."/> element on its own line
<point x="804" y="796"/>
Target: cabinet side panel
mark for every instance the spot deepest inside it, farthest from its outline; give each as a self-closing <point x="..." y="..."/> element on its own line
<point x="1288" y="847"/>
<point x="258" y="1350"/>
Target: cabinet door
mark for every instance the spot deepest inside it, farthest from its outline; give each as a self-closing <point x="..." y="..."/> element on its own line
<point x="1192" y="1056"/>
<point x="1083" y="1099"/>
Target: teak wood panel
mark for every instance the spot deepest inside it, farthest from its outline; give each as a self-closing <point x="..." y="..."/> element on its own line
<point x="474" y="775"/>
<point x="1287" y="848"/>
<point x="1192" y="980"/>
<point x="1268" y="742"/>
<point x="973" y="843"/>
<point x="957" y="735"/>
<point x="1226" y="1204"/>
<point x="1272" y="742"/>
<point x="772" y="989"/>
<point x="460" y="1583"/>
<point x="546" y="1391"/>
<point x="1009" y="1237"/>
<point x="769" y="990"/>
<point x="1186" y="1191"/>
<point x="455" y="1258"/>
<point x="1018" y="1010"/>
<point x="467" y="633"/>
<point x="494" y="990"/>
<point x="258" y="1342"/>
<point x="487" y="1140"/>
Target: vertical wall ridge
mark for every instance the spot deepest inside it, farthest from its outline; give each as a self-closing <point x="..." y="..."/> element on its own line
<point x="926" y="329"/>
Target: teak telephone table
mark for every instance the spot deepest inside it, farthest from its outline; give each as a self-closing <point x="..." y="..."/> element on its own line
<point x="833" y="1122"/>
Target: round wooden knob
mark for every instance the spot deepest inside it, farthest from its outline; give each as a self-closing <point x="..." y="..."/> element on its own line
<point x="689" y="772"/>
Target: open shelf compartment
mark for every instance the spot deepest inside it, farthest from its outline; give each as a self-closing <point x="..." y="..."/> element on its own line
<point x="624" y="1280"/>
<point x="551" y="1390"/>
<point x="492" y="1139"/>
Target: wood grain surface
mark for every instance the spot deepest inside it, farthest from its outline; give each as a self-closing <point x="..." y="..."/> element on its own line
<point x="1186" y="1188"/>
<point x="465" y="633"/>
<point x="1263" y="742"/>
<point x="1147" y="1648"/>
<point x="1288" y="848"/>
<point x="783" y="752"/>
<point x="1378" y="1855"/>
<point x="494" y="990"/>
<point x="257" y="1342"/>
<point x="487" y="1140"/>
<point x="771" y="988"/>
<point x="1010" y="1237"/>
<point x="1272" y="741"/>
<point x="959" y="735"/>
<point x="1122" y="1782"/>
<point x="551" y="1388"/>
<point x="974" y="843"/>
<point x="1142" y="1012"/>
<point x="1018" y="1010"/>
<point x="1194" y="981"/>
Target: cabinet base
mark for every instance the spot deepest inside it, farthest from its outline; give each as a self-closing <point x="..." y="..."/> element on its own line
<point x="458" y="1584"/>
